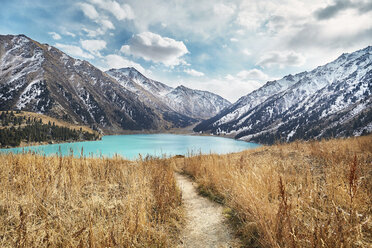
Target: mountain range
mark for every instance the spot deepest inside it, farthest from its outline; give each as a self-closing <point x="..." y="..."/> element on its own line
<point x="333" y="100"/>
<point x="196" y="104"/>
<point x="40" y="78"/>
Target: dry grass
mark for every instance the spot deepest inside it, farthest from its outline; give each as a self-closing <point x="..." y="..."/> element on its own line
<point x="303" y="194"/>
<point x="87" y="202"/>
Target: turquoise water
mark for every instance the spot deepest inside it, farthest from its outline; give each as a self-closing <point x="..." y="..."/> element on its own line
<point x="130" y="146"/>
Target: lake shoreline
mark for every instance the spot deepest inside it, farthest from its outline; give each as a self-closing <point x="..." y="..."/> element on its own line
<point x="141" y="145"/>
<point x="42" y="143"/>
<point x="182" y="131"/>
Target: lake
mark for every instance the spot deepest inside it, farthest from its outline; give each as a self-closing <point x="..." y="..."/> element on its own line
<point x="130" y="146"/>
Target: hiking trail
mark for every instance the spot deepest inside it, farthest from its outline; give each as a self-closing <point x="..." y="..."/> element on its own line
<point x="205" y="223"/>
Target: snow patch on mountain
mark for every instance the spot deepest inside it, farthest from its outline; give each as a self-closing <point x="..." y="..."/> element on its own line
<point x="30" y="93"/>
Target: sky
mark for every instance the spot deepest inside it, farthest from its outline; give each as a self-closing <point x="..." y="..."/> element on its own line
<point x="227" y="47"/>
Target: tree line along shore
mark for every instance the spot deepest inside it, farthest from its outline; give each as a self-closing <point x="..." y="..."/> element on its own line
<point x="19" y="127"/>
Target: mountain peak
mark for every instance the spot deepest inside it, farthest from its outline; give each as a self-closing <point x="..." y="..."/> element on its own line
<point x="190" y="103"/>
<point x="126" y="70"/>
<point x="129" y="72"/>
<point x="13" y="36"/>
<point x="130" y="69"/>
<point x="368" y="48"/>
<point x="182" y="87"/>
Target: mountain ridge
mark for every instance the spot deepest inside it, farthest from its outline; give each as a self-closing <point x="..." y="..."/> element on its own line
<point x="41" y="78"/>
<point x="189" y="102"/>
<point x="304" y="105"/>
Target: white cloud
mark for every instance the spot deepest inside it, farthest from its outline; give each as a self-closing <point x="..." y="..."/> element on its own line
<point x="240" y="31"/>
<point x="156" y="48"/>
<point x="89" y="10"/>
<point x="346" y="30"/>
<point x="55" y="36"/>
<point x="234" y="40"/>
<point x="248" y="75"/>
<point x="93" y="46"/>
<point x="229" y="77"/>
<point x="74" y="51"/>
<point x="120" y="11"/>
<point x="332" y="10"/>
<point x="234" y="89"/>
<point x="231" y="89"/>
<point x="317" y="30"/>
<point x="246" y="52"/>
<point x="223" y="10"/>
<point x="275" y="23"/>
<point x="191" y="19"/>
<point x="253" y="74"/>
<point x="69" y="33"/>
<point x="249" y="16"/>
<point x="117" y="62"/>
<point x="281" y="59"/>
<point x="107" y="24"/>
<point x="256" y="15"/>
<point x="93" y="33"/>
<point x="194" y="73"/>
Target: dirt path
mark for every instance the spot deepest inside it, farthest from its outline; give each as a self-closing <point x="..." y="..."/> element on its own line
<point x="205" y="225"/>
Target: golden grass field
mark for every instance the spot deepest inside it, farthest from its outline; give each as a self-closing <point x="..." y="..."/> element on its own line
<point x="302" y="194"/>
<point x="72" y="202"/>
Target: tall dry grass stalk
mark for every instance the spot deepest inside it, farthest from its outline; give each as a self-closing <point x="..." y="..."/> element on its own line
<point x="86" y="202"/>
<point x="303" y="194"/>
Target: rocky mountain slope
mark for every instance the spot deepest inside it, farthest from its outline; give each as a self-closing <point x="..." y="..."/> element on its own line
<point x="40" y="78"/>
<point x="331" y="100"/>
<point x="196" y="104"/>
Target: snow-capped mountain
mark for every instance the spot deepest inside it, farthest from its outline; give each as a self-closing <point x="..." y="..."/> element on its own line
<point x="40" y="78"/>
<point x="331" y="100"/>
<point x="196" y="104"/>
<point x="132" y="79"/>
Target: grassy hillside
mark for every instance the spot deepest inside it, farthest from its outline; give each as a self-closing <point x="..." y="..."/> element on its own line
<point x="302" y="194"/>
<point x="46" y="119"/>
<point x="70" y="202"/>
<point x="26" y="128"/>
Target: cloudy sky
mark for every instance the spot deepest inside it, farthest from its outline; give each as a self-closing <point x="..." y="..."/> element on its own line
<point x="227" y="47"/>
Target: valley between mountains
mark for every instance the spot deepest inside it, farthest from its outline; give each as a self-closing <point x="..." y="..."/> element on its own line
<point x="333" y="100"/>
